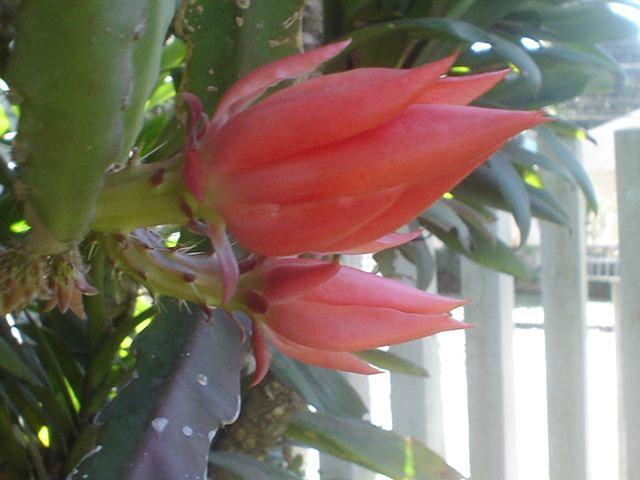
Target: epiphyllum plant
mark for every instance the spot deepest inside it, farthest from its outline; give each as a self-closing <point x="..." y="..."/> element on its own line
<point x="335" y="163"/>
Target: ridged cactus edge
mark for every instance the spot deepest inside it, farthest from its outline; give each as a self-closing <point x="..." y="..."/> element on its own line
<point x="81" y="82"/>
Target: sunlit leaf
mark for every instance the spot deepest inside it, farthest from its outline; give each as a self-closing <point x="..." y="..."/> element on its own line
<point x="376" y="449"/>
<point x="393" y="363"/>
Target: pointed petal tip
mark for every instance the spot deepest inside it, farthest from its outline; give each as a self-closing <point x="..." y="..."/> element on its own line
<point x="229" y="270"/>
<point x="261" y="354"/>
<point x="384" y="243"/>
<point x="461" y="90"/>
<point x="254" y="84"/>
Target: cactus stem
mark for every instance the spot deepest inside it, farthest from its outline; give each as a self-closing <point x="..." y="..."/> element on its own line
<point x="157" y="177"/>
<point x="156" y="190"/>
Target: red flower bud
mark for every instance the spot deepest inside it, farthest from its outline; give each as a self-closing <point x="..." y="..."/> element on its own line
<point x="336" y="162"/>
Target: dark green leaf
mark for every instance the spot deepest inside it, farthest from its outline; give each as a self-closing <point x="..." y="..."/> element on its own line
<point x="481" y="188"/>
<point x="376" y="449"/>
<point x="531" y="159"/>
<point x="187" y="386"/>
<point x="560" y="151"/>
<point x="490" y="252"/>
<point x="249" y="468"/>
<point x="11" y="362"/>
<point x="392" y="362"/>
<point x="588" y="22"/>
<point x="418" y="253"/>
<point x="442" y="215"/>
<point x="567" y="71"/>
<point x="392" y="263"/>
<point x="546" y="207"/>
<point x="513" y="191"/>
<point x="327" y="390"/>
<point x="63" y="399"/>
<point x="485" y="13"/>
<point x="570" y="130"/>
<point x="14" y="455"/>
<point x="455" y="31"/>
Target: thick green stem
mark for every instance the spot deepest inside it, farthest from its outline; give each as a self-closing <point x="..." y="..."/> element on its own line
<point x="144" y="195"/>
<point x="81" y="82"/>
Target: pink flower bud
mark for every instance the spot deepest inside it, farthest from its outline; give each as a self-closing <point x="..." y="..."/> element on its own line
<point x="335" y="162"/>
<point x="321" y="312"/>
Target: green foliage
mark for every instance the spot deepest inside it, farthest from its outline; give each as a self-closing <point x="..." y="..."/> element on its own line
<point x="369" y="446"/>
<point x="323" y="389"/>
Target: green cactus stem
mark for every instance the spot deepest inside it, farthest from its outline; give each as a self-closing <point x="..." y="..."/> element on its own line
<point x="143" y="195"/>
<point x="81" y="72"/>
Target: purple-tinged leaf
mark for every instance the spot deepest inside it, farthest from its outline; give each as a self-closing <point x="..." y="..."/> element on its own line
<point x="187" y="385"/>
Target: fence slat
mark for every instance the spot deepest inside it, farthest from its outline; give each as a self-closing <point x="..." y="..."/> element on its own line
<point x="490" y="382"/>
<point x="564" y="297"/>
<point x="333" y="468"/>
<point x="628" y="309"/>
<point x="416" y="402"/>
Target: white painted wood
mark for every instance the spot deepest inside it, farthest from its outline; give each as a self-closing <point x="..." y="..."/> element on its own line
<point x="564" y="297"/>
<point x="628" y="320"/>
<point x="416" y="402"/>
<point x="490" y="382"/>
<point x="332" y="468"/>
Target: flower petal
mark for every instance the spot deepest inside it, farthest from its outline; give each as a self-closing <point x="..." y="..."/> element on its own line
<point x="261" y="354"/>
<point x="351" y="286"/>
<point x="352" y="327"/>
<point x="388" y="241"/>
<point x="229" y="271"/>
<point x="267" y="228"/>
<point x="411" y="203"/>
<point x="194" y="172"/>
<point x="415" y="147"/>
<point x="321" y="110"/>
<point x="462" y="90"/>
<point x="290" y="278"/>
<point x="250" y="87"/>
<point x="345" y="361"/>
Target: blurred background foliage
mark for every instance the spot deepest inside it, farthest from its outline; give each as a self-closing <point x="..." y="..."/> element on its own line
<point x="62" y="376"/>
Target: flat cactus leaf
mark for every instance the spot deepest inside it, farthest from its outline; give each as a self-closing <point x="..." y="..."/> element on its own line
<point x="187" y="385"/>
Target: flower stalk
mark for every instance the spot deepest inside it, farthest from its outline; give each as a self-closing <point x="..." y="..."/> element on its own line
<point x="143" y="195"/>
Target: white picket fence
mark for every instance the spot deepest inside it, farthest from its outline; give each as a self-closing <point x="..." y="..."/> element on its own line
<point x="417" y="404"/>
